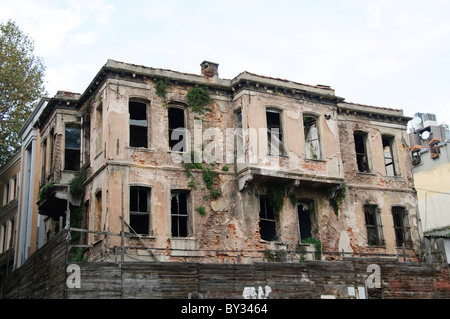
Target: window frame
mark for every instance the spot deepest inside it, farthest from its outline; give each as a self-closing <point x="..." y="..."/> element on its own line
<point x="73" y="150"/>
<point x="170" y="130"/>
<point x="44" y="159"/>
<point x="311" y="141"/>
<point x="402" y="229"/>
<point x="390" y="140"/>
<point x="99" y="129"/>
<point x="136" y="125"/>
<point x="281" y="150"/>
<point x="375" y="228"/>
<point x="178" y="217"/>
<point x="365" y="143"/>
<point x="264" y="219"/>
<point x="146" y="213"/>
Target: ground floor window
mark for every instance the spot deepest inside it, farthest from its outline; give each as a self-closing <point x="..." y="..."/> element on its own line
<point x="267" y="222"/>
<point x="372" y="216"/>
<point x="180" y="213"/>
<point x="401" y="228"/>
<point x="306" y="218"/>
<point x="140" y="210"/>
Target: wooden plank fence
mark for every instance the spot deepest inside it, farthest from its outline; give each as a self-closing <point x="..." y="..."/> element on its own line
<point x="46" y="273"/>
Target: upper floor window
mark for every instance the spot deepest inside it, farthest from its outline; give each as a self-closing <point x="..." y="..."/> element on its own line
<point x="138" y="124"/>
<point x="72" y="149"/>
<point x="274" y="132"/>
<point x="44" y="160"/>
<point x="99" y="129"/>
<point x="388" y="153"/>
<point x="6" y="236"/>
<point x="362" y="153"/>
<point x="10" y="190"/>
<point x="6" y="193"/>
<point x="312" y="140"/>
<point x="240" y="153"/>
<point x="177" y="129"/>
<point x="401" y="227"/>
<point x="374" y="229"/>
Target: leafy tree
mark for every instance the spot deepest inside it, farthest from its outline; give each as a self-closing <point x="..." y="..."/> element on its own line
<point x="21" y="85"/>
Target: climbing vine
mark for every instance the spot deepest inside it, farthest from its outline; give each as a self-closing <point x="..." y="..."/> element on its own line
<point x="336" y="201"/>
<point x="76" y="184"/>
<point x="275" y="255"/>
<point x="198" y="98"/>
<point x="208" y="176"/>
<point x="46" y="191"/>
<point x="275" y="196"/>
<point x="317" y="244"/>
<point x="161" y="88"/>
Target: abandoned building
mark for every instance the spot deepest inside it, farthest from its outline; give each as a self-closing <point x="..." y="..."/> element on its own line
<point x="156" y="165"/>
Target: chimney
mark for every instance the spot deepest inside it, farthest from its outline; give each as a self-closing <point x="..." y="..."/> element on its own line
<point x="210" y="69"/>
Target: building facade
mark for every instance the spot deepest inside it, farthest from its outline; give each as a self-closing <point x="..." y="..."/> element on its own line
<point x="153" y="164"/>
<point x="9" y="190"/>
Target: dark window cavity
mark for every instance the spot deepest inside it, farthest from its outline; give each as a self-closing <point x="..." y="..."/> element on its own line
<point x="374" y="229"/>
<point x="401" y="227"/>
<point x="274" y="132"/>
<point x="306" y="218"/>
<point x="362" y="156"/>
<point x="140" y="210"/>
<point x="388" y="153"/>
<point x="312" y="141"/>
<point x="180" y="214"/>
<point x="138" y="124"/>
<point x="267" y="223"/>
<point x="177" y="129"/>
<point x="72" y="149"/>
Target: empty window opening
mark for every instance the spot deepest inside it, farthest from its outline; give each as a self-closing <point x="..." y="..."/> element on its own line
<point x="401" y="228"/>
<point x="11" y="233"/>
<point x="140" y="210"/>
<point x="99" y="129"/>
<point x="3" y="234"/>
<point x="6" y="197"/>
<point x="373" y="225"/>
<point x="306" y="218"/>
<point x="180" y="214"/>
<point x="177" y="126"/>
<point x="98" y="214"/>
<point x="138" y="124"/>
<point x="51" y="144"/>
<point x="267" y="223"/>
<point x="72" y="149"/>
<point x="239" y="139"/>
<point x="312" y="141"/>
<point x="14" y="186"/>
<point x="362" y="157"/>
<point x="388" y="154"/>
<point x="44" y="161"/>
<point x="274" y="132"/>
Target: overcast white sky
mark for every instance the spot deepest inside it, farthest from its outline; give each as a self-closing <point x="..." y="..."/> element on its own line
<point x="388" y="53"/>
